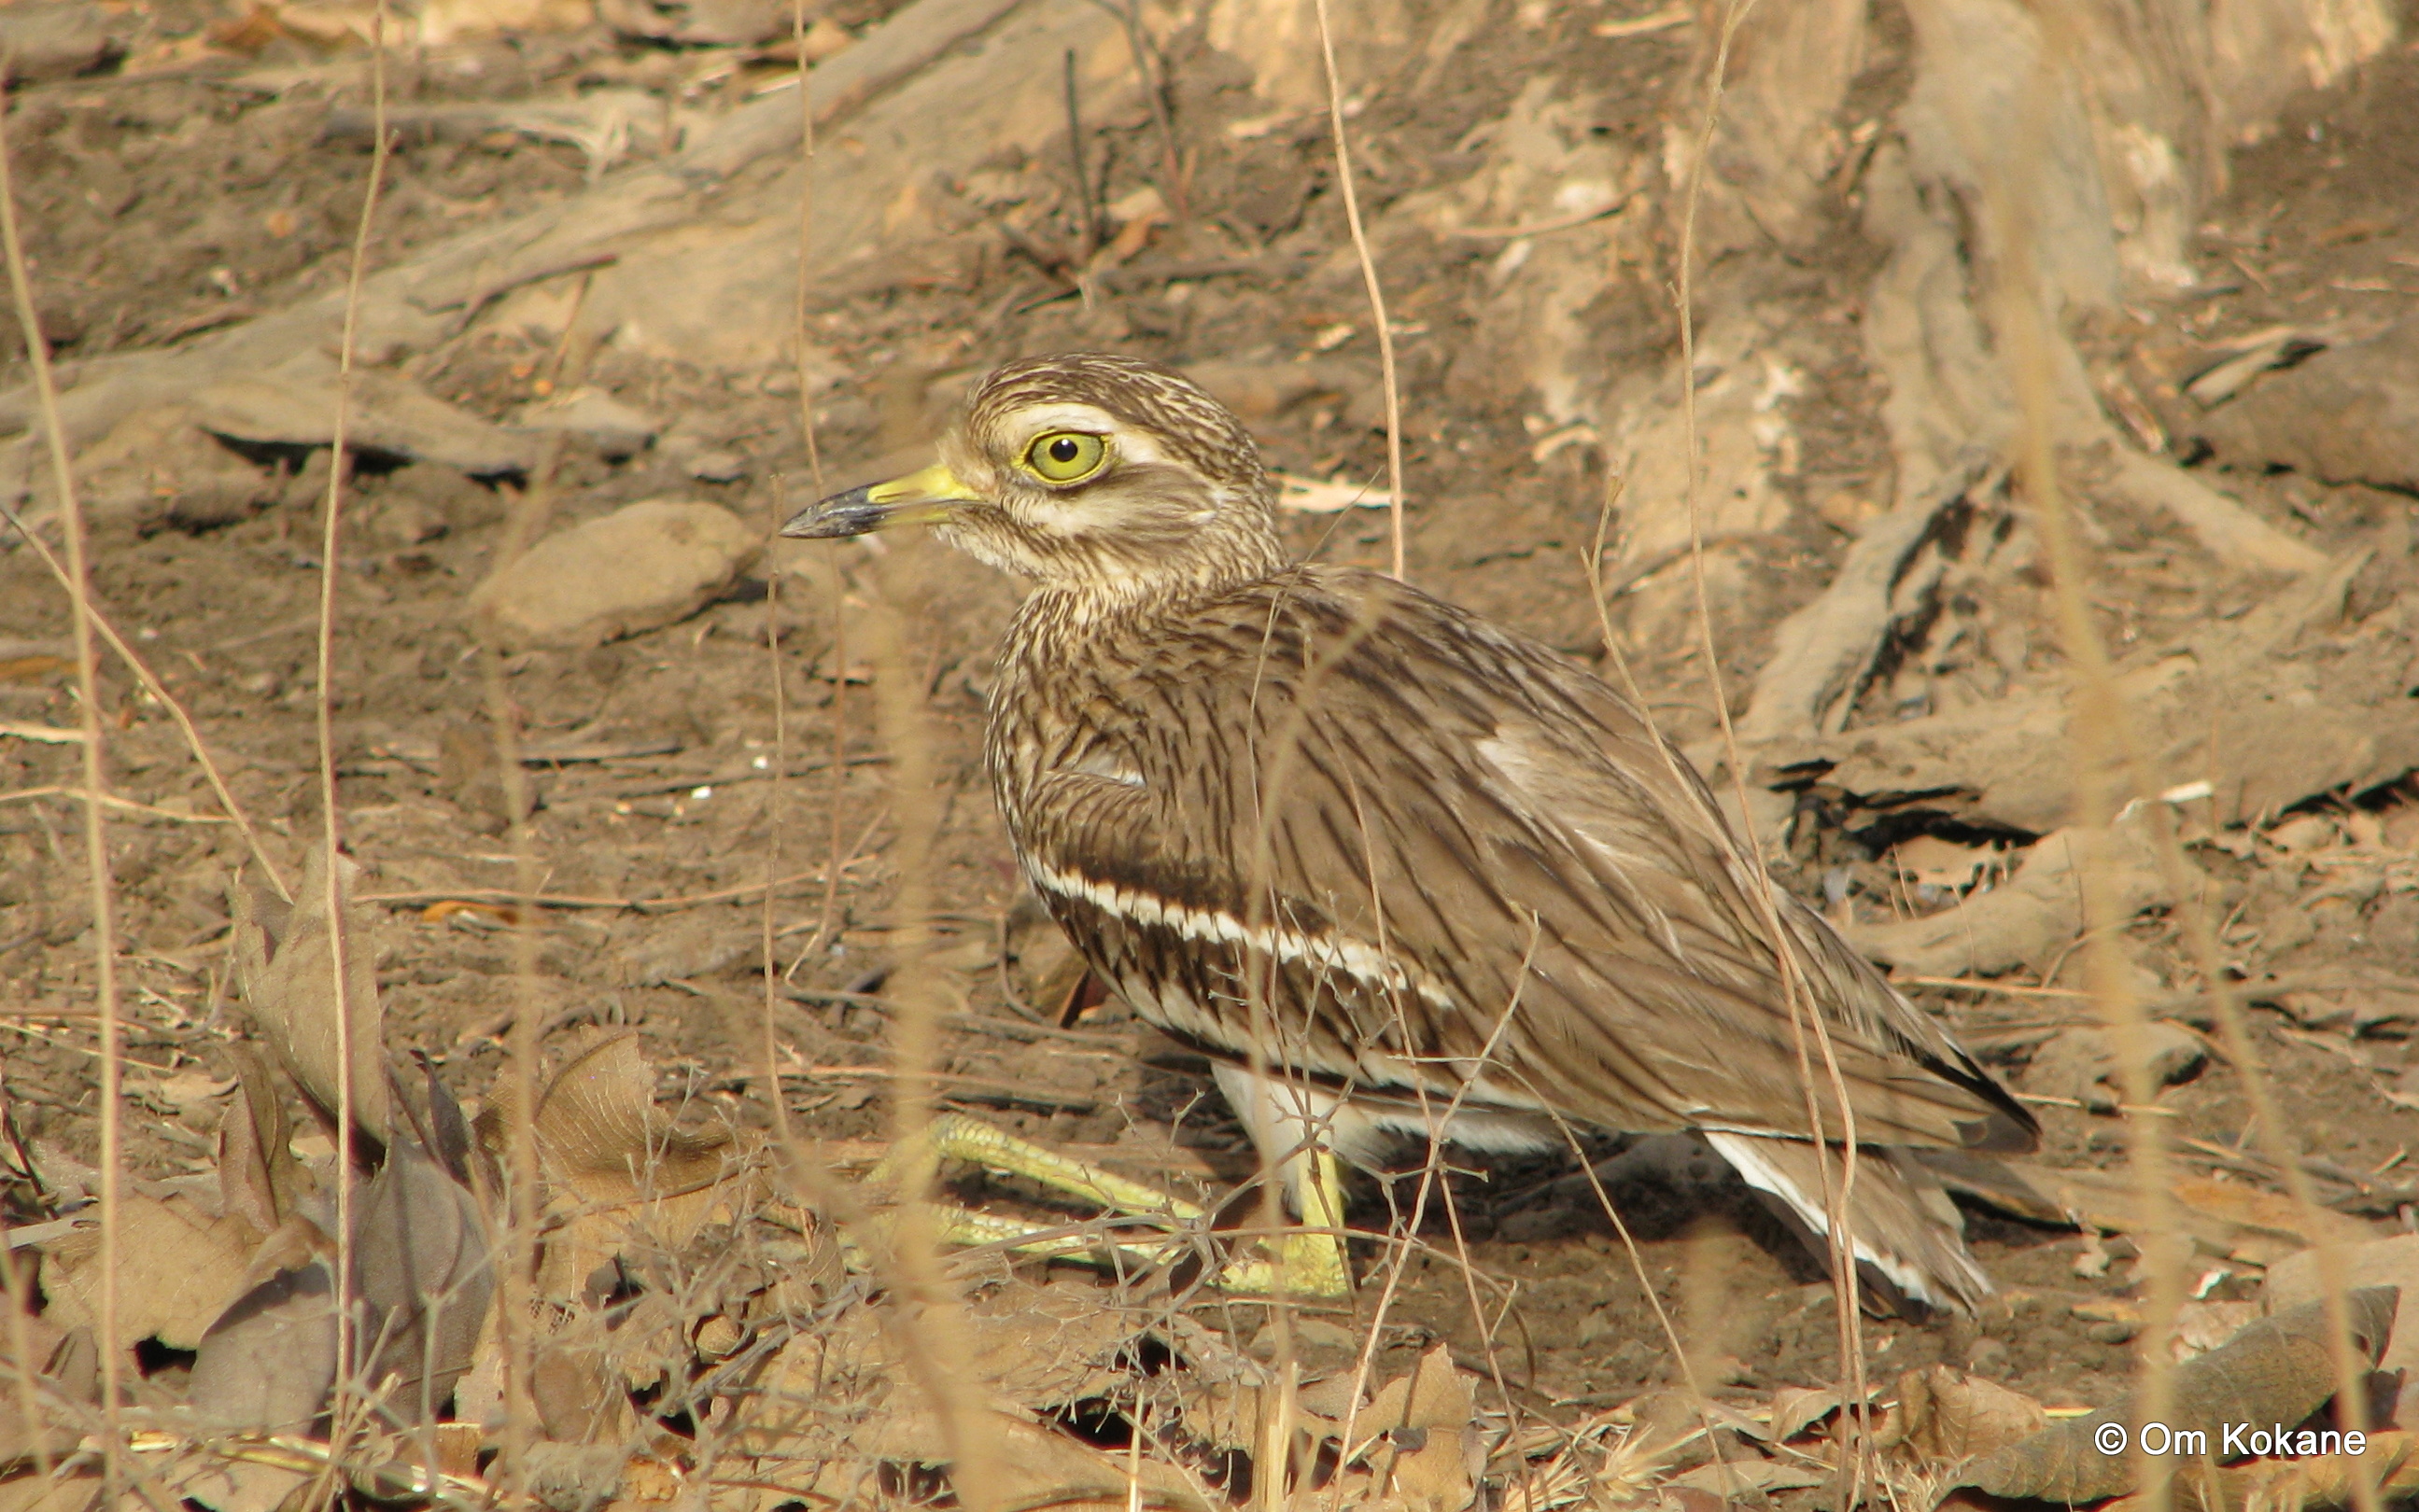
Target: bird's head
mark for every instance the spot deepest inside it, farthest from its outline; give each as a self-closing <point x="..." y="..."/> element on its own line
<point x="1105" y="475"/>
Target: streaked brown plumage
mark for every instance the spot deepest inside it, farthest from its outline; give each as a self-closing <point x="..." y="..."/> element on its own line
<point x="1321" y="824"/>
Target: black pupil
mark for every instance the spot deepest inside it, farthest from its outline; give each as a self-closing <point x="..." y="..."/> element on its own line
<point x="1064" y="449"/>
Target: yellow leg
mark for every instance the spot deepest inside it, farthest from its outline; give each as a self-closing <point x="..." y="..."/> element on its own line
<point x="1306" y="1264"/>
<point x="956" y="1136"/>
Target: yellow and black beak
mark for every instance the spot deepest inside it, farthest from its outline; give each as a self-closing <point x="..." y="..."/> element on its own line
<point x="925" y="498"/>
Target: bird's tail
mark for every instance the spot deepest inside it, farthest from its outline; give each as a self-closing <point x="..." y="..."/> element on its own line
<point x="1909" y="1237"/>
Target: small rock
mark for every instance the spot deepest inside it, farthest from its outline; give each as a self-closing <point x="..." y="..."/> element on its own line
<point x="2350" y="414"/>
<point x="717" y="467"/>
<point x="616" y="429"/>
<point x="58" y="41"/>
<point x="306" y="487"/>
<point x="294" y="406"/>
<point x="404" y="523"/>
<point x="573" y="1478"/>
<point x="156" y="468"/>
<point x="697" y="22"/>
<point x="1990" y="1358"/>
<point x="2083" y="1063"/>
<point x="644" y="566"/>
<point x="1600" y="1324"/>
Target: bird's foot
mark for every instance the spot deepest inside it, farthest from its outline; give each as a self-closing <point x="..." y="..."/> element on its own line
<point x="1306" y="1262"/>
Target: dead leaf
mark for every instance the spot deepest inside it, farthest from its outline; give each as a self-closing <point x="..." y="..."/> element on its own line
<point x="1942" y="1417"/>
<point x="237" y="1485"/>
<point x="180" y="1091"/>
<point x="1420" y="1439"/>
<point x="420" y="1273"/>
<point x="178" y="1269"/>
<point x="2085" y="1064"/>
<point x="65" y="1367"/>
<point x="2319" y="1483"/>
<point x="1796" y="1409"/>
<point x="1734" y="1478"/>
<point x="2028" y="918"/>
<point x="284" y="963"/>
<point x="2294" y="1280"/>
<point x="257" y="1175"/>
<point x="57" y="1493"/>
<point x="420" y="1287"/>
<point x="269" y="1360"/>
<point x="1928" y="860"/>
<point x="617" y="1166"/>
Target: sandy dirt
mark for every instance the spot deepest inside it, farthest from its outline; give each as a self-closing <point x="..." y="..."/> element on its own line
<point x="159" y="207"/>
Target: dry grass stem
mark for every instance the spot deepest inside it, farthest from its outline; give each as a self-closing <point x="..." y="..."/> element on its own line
<point x="923" y="1308"/>
<point x="1803" y="1016"/>
<point x="331" y="821"/>
<point x="95" y="829"/>
<point x="1386" y="375"/>
<point x="2107" y="743"/>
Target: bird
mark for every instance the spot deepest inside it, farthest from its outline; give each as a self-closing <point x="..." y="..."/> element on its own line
<point x="1394" y="869"/>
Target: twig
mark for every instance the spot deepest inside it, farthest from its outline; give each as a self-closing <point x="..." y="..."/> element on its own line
<point x="732" y="778"/>
<point x="1083" y="197"/>
<point x="1804" y="1014"/>
<point x="331" y="822"/>
<point x="923" y="1308"/>
<point x="1541" y="228"/>
<point x="569" y="900"/>
<point x="2112" y="745"/>
<point x="997" y="1093"/>
<point x="113" y="801"/>
<point x="770" y="944"/>
<point x="96" y="832"/>
<point x="1154" y="91"/>
<point x="1369" y="278"/>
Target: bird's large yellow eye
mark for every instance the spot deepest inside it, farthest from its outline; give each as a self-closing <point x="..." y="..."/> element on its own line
<point x="1066" y="456"/>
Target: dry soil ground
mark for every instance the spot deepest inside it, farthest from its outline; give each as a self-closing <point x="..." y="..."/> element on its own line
<point x="160" y="205"/>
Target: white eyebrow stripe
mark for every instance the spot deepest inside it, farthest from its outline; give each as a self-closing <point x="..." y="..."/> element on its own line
<point x="1351" y="957"/>
<point x="1131" y="443"/>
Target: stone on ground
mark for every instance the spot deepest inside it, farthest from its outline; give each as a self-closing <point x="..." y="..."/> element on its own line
<point x="644" y="566"/>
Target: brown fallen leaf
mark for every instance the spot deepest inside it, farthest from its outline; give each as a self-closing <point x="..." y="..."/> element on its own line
<point x="1942" y="1417"/>
<point x="257" y="1173"/>
<point x="285" y="966"/>
<point x="63" y="1364"/>
<point x="616" y="1168"/>
<point x="1796" y="1409"/>
<point x="73" y="1493"/>
<point x="1736" y="1480"/>
<point x="2273" y="1371"/>
<point x="178" y="1269"/>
